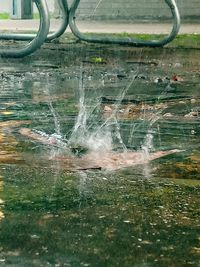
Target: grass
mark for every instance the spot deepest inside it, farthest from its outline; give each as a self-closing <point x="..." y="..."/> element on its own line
<point x="186" y="41"/>
<point x="7" y="16"/>
<point x="4" y="15"/>
<point x="181" y="41"/>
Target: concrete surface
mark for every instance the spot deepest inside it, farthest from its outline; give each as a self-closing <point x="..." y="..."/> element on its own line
<point x="102" y="27"/>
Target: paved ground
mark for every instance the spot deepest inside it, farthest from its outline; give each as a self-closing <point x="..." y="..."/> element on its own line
<point x="106" y="27"/>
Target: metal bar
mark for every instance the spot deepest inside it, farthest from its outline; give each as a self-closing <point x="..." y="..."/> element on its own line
<point x="65" y="20"/>
<point x="26" y="37"/>
<point x="126" y="41"/>
<point x="39" y="38"/>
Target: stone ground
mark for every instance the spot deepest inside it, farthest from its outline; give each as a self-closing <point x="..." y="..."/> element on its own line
<point x="104" y="27"/>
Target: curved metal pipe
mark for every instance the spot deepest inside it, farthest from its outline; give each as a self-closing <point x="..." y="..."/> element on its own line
<point x="127" y="41"/>
<point x="65" y="21"/>
<point x="27" y="37"/>
<point x="39" y="38"/>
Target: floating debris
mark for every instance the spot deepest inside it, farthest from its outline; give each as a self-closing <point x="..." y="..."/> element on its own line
<point x="192" y="114"/>
<point x="99" y="160"/>
<point x="176" y="78"/>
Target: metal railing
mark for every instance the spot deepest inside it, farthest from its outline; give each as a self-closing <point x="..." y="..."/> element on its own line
<point x="63" y="5"/>
<point x="126" y="41"/>
<point x="68" y="17"/>
<point x="37" y="41"/>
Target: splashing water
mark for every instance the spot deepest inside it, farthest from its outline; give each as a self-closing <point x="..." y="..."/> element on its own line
<point x="101" y="136"/>
<point x="97" y="135"/>
<point x="147" y="145"/>
<point x="85" y="132"/>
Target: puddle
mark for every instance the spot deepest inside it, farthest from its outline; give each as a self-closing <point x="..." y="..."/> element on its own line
<point x="141" y="215"/>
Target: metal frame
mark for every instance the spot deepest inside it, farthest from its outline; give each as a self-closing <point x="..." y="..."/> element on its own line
<point x="65" y="21"/>
<point x="68" y="17"/>
<point x="26" y="37"/>
<point x="38" y="39"/>
<point x="126" y="41"/>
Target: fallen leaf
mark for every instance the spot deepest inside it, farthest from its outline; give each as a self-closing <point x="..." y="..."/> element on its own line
<point x="176" y="78"/>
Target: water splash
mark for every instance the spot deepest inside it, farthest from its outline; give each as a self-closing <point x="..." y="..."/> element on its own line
<point x="86" y="131"/>
<point x="96" y="7"/>
<point x="56" y="120"/>
<point x="95" y="134"/>
<point x="92" y="131"/>
<point x="147" y="146"/>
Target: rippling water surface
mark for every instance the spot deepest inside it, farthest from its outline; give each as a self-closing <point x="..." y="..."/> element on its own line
<point x="52" y="214"/>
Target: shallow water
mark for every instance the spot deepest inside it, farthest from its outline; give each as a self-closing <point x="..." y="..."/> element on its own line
<point x="146" y="215"/>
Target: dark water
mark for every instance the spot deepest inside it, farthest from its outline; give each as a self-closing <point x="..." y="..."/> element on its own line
<point x="144" y="215"/>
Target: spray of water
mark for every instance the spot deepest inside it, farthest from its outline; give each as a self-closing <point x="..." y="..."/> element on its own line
<point x="55" y="140"/>
<point x="101" y="136"/>
<point x="94" y="133"/>
<point x="86" y="133"/>
<point x="95" y="9"/>
<point x="56" y="120"/>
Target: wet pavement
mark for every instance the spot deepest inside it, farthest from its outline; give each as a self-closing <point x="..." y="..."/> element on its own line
<point x="104" y="27"/>
<point x="146" y="215"/>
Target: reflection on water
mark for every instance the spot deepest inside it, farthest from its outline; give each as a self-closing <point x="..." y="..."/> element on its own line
<point x="146" y="215"/>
